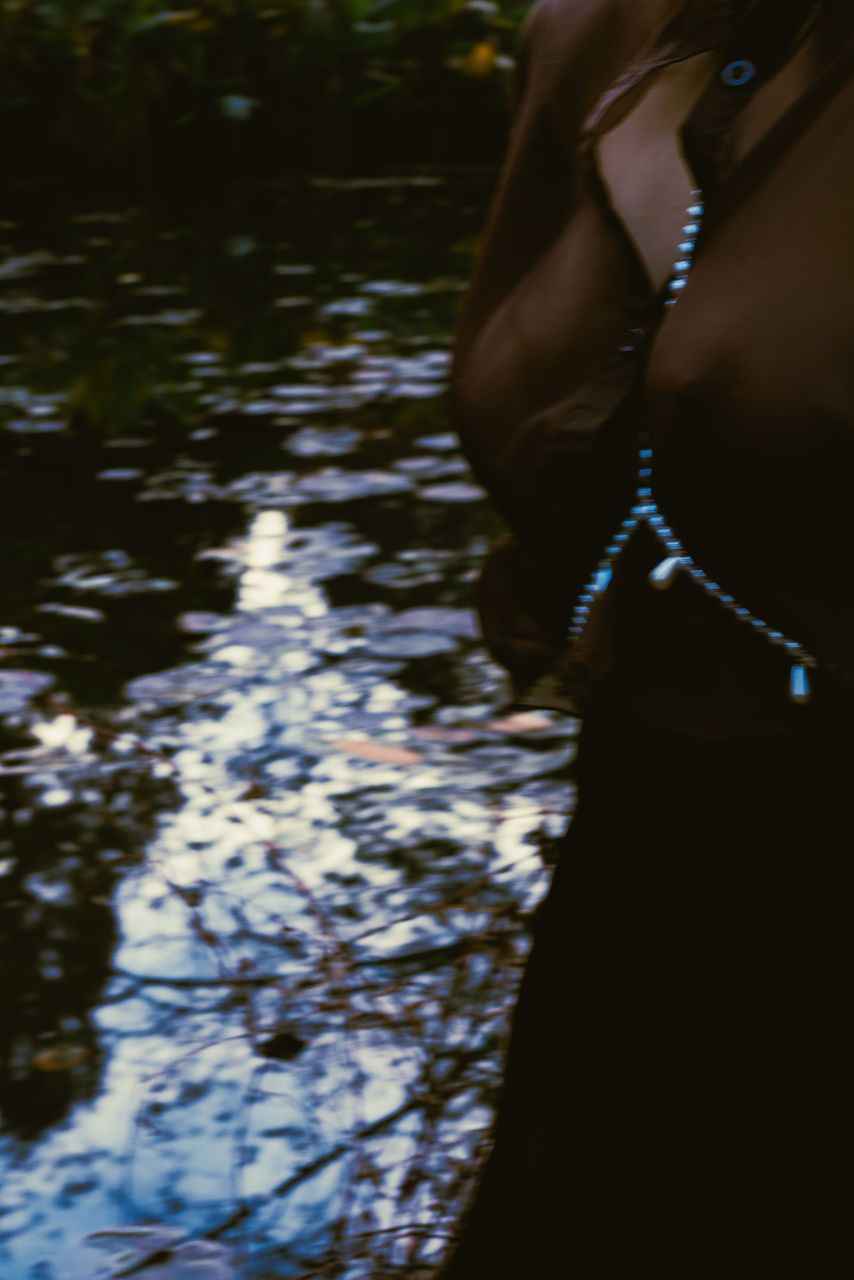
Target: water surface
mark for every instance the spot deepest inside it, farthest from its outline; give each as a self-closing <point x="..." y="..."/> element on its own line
<point x="269" y="842"/>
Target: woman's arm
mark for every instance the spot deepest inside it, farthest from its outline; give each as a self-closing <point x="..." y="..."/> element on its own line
<point x="534" y="388"/>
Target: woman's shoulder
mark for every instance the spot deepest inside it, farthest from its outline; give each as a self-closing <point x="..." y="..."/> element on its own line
<point x="585" y="17"/>
<point x="572" y="36"/>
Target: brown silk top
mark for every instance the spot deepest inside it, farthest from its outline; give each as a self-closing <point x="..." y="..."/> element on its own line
<point x="565" y="353"/>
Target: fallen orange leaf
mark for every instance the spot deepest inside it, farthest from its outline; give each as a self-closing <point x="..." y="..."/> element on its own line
<point x="60" y="1057"/>
<point x="382" y="752"/>
<point x="521" y="722"/>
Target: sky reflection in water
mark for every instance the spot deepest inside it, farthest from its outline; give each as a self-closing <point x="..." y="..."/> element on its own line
<point x="269" y="846"/>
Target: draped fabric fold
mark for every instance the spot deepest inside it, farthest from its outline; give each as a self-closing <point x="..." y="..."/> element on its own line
<point x="564" y="355"/>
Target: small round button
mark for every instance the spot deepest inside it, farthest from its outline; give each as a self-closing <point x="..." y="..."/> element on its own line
<point x="633" y="339"/>
<point x="735" y="74"/>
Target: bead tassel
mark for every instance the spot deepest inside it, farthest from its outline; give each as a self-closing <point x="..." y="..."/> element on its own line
<point x="644" y="510"/>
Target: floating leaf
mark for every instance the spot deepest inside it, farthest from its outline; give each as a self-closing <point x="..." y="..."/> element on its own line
<point x="79" y="612"/>
<point x="453" y="491"/>
<point x="381" y="752"/>
<point x="60" y="1057"/>
<point x="412" y="644"/>
<point x="453" y="621"/>
<point x="439" y="733"/>
<point x="198" y="623"/>
<point x="18" y="687"/>
<point x="521" y="722"/>
<point x="335" y="485"/>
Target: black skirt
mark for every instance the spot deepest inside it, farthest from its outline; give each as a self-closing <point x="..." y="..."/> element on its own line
<point x="679" y="1085"/>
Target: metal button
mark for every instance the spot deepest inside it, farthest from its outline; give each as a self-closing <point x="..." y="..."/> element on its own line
<point x="737" y="73"/>
<point x="633" y="339"/>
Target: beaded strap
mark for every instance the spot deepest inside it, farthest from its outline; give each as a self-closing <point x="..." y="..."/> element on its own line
<point x="645" y="511"/>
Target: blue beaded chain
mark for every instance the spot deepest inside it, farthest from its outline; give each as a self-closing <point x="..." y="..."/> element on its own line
<point x="645" y="511"/>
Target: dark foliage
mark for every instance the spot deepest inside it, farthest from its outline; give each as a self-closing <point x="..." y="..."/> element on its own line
<point x="130" y="91"/>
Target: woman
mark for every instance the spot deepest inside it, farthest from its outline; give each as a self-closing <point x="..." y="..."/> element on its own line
<point x="654" y="378"/>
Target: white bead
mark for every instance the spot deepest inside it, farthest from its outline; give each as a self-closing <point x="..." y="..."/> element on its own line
<point x="664" y="573"/>
<point x="646" y="509"/>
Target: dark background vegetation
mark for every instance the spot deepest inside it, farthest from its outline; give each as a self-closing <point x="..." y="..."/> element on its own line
<point x="133" y="92"/>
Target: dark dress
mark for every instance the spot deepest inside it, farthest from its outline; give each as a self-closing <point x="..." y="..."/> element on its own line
<point x="680" y="1082"/>
<point x="679" y="1090"/>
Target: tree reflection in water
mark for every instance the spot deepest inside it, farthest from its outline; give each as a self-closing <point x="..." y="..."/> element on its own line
<point x="62" y="852"/>
<point x="269" y="847"/>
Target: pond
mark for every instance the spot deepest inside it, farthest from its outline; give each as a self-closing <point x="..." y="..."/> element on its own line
<point x="270" y="845"/>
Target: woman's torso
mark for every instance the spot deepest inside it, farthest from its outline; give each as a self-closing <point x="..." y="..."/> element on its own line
<point x="746" y="387"/>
